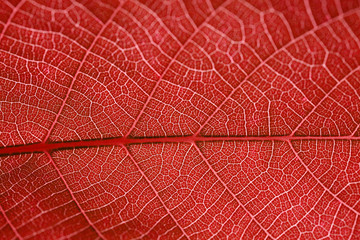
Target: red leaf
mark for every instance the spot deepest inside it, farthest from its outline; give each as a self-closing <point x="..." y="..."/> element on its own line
<point x="179" y="120"/>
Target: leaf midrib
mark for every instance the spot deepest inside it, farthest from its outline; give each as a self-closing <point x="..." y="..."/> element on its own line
<point x="50" y="146"/>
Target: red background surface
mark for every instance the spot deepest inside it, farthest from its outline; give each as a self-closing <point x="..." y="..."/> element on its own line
<point x="179" y="119"/>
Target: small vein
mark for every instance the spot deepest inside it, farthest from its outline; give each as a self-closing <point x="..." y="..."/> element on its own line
<point x="72" y="195"/>
<point x="264" y="62"/>
<point x="153" y="189"/>
<point x="305" y="215"/>
<point x="332" y="222"/>
<point x="318" y="181"/>
<point x="10" y="223"/>
<point x="160" y="20"/>
<point x="16" y="9"/>
<point x="78" y="71"/>
<point x="225" y="186"/>
<point x="356" y="129"/>
<point x="323" y="99"/>
<point x="169" y="65"/>
<point x="309" y="12"/>
<point x="353" y="227"/>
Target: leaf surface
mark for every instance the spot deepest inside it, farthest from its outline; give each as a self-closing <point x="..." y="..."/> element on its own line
<point x="179" y="119"/>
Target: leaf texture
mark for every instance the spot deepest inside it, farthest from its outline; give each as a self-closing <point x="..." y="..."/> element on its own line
<point x="179" y="119"/>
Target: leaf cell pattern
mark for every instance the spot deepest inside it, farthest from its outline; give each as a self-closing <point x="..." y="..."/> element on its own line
<point x="150" y="119"/>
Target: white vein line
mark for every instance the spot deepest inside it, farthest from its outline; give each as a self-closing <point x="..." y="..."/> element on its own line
<point x="293" y="41"/>
<point x="309" y="13"/>
<point x="305" y="215"/>
<point x="78" y="70"/>
<point x="332" y="222"/>
<point x="10" y="223"/>
<point x="318" y="181"/>
<point x="44" y="32"/>
<point x="6" y="26"/>
<point x="173" y="59"/>
<point x="225" y="186"/>
<point x="153" y="189"/>
<point x="356" y="129"/>
<point x="72" y="195"/>
<point x="324" y="98"/>
<point x="161" y="22"/>
<point x="353" y="227"/>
